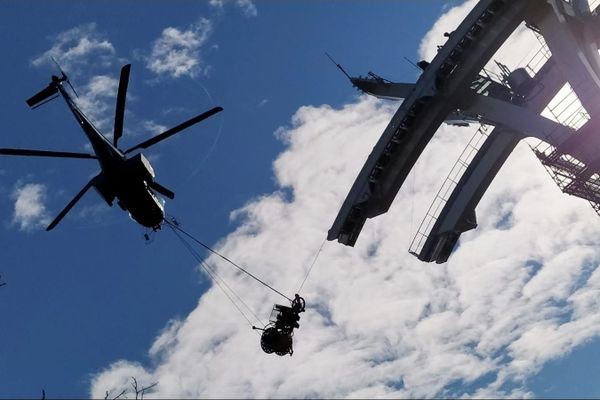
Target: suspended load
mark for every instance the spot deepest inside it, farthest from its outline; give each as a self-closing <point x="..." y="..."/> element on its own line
<point x="277" y="336"/>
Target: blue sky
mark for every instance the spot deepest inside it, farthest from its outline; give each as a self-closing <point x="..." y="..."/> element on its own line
<point x="91" y="303"/>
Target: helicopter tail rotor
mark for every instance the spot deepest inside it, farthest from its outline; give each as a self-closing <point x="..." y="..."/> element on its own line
<point x="50" y="92"/>
<point x="64" y="76"/>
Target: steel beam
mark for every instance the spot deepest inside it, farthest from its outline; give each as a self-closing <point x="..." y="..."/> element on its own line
<point x="572" y="52"/>
<point x="383" y="89"/>
<point x="521" y="121"/>
<point x="458" y="214"/>
<point x="440" y="88"/>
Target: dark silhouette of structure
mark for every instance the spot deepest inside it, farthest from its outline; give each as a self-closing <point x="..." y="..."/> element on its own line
<point x="455" y="88"/>
<point x="277" y="337"/>
<point x="129" y="180"/>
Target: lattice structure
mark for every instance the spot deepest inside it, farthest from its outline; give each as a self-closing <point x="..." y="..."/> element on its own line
<point x="455" y="86"/>
<point x="442" y="196"/>
<point x="570" y="174"/>
<point x="540" y="57"/>
<point x="592" y="3"/>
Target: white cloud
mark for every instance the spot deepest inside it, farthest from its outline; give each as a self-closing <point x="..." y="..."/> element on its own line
<point x="380" y="323"/>
<point x="85" y="53"/>
<point x="29" y="210"/>
<point x="445" y="24"/>
<point x="176" y="52"/>
<point x="248" y="7"/>
<point x="102" y="85"/>
<point x="77" y="47"/>
<point x="520" y="290"/>
<point x="97" y="100"/>
<point x="153" y="127"/>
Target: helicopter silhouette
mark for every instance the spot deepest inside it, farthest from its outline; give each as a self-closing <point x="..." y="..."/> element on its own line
<point x="129" y="180"/>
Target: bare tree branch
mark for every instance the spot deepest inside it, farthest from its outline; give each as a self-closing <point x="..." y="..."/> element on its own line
<point x="147" y="388"/>
<point x="139" y="393"/>
<point x="107" y="396"/>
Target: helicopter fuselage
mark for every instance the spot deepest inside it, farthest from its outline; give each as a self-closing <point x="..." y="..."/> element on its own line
<point x="129" y="180"/>
<point x="126" y="179"/>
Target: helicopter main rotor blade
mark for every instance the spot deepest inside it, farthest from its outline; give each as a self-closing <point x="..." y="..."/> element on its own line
<point x="170" y="132"/>
<point x="120" y="108"/>
<point x="162" y="190"/>
<point x="44" y="153"/>
<point x="71" y="204"/>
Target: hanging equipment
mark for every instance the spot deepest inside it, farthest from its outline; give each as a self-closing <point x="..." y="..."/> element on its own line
<point x="277" y="335"/>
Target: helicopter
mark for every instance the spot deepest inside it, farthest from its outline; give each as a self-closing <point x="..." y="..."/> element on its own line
<point x="129" y="180"/>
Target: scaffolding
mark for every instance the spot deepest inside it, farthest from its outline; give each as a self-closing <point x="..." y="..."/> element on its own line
<point x="571" y="175"/>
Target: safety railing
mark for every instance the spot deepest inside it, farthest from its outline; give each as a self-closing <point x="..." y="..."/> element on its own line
<point x="448" y="186"/>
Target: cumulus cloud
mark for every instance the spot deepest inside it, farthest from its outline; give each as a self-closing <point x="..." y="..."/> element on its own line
<point x="519" y="290"/>
<point x="248" y="7"/>
<point x="77" y="47"/>
<point x="85" y="53"/>
<point x="446" y="23"/>
<point x="177" y="53"/>
<point x="29" y="209"/>
<point x="153" y="127"/>
<point x="380" y="323"/>
<point x="97" y="100"/>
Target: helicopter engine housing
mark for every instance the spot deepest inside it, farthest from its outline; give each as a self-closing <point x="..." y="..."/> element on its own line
<point x="139" y="166"/>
